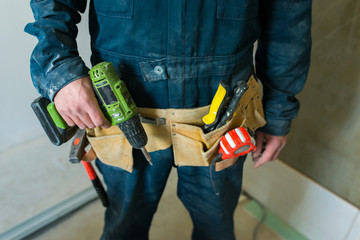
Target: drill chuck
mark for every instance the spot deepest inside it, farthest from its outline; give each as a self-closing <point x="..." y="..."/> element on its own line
<point x="134" y="132"/>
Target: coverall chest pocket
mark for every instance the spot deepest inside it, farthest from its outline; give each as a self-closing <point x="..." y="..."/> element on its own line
<point x="114" y="8"/>
<point x="237" y="9"/>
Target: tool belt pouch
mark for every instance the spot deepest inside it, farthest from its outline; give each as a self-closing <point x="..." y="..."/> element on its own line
<point x="183" y="130"/>
<point x="111" y="147"/>
<point x="193" y="147"/>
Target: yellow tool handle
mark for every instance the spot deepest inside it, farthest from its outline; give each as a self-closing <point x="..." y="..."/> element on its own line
<point x="217" y="105"/>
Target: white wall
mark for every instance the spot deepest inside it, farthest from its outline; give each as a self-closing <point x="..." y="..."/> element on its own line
<point x="30" y="166"/>
<point x="18" y="123"/>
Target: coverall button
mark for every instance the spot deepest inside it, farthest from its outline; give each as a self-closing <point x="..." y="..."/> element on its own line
<point x="158" y="70"/>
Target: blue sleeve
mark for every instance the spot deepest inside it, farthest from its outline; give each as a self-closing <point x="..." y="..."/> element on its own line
<point x="55" y="61"/>
<point x="283" y="59"/>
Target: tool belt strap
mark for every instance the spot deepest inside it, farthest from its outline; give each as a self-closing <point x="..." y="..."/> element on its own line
<point x="182" y="130"/>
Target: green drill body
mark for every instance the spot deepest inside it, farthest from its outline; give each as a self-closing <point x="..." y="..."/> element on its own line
<point x="118" y="105"/>
<point x="112" y="94"/>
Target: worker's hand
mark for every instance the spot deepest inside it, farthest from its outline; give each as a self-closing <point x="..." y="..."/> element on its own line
<point x="77" y="104"/>
<point x="268" y="148"/>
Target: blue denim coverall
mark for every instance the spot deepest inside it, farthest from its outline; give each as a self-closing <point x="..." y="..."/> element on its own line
<point x="173" y="54"/>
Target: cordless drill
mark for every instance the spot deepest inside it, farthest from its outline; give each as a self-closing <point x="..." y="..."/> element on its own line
<point x="115" y="102"/>
<point x="118" y="106"/>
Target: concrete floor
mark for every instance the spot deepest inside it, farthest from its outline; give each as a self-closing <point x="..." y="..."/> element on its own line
<point x="87" y="222"/>
<point x="37" y="175"/>
<point x="34" y="177"/>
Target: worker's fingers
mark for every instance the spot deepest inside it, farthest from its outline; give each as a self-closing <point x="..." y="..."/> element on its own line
<point x="90" y="114"/>
<point x="75" y="116"/>
<point x="268" y="154"/>
<point x="78" y="122"/>
<point x="282" y="145"/>
<point x="97" y="117"/>
<point x="85" y="118"/>
<point x="272" y="148"/>
<point x="72" y="118"/>
<point x="100" y="121"/>
<point x="259" y="139"/>
<point x="68" y="120"/>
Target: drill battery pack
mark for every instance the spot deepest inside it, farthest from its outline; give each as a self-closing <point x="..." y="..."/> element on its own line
<point x="57" y="135"/>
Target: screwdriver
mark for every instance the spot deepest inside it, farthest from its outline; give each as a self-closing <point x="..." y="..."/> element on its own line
<point x="118" y="105"/>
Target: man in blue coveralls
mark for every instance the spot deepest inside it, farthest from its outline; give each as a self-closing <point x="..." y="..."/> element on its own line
<point x="193" y="45"/>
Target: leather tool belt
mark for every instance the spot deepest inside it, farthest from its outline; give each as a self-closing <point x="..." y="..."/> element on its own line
<point x="182" y="130"/>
